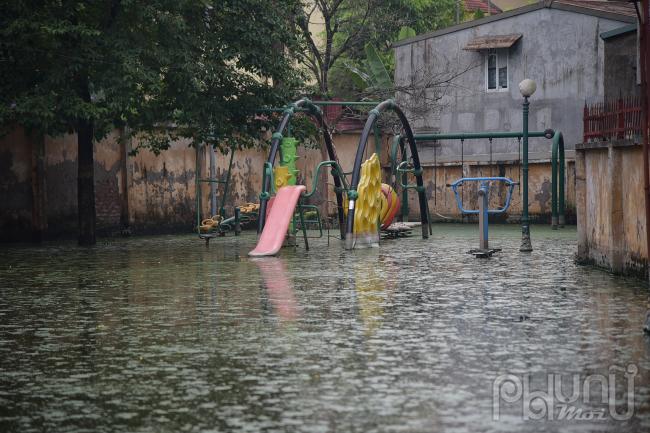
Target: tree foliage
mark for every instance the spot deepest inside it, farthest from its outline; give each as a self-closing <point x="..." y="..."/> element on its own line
<point x="191" y="68"/>
<point x="348" y="25"/>
<point x="195" y="69"/>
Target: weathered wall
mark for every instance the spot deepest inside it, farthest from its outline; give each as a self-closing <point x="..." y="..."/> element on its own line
<point x="147" y="192"/>
<point x="156" y="193"/>
<point x="61" y="183"/>
<point x="15" y="186"/>
<point x="611" y="218"/>
<point x="621" y="66"/>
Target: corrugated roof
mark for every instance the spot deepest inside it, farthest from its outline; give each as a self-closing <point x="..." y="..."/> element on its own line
<point x="613" y="10"/>
<point x="474" y="5"/>
<point x="489" y="42"/>
<point x="614" y="7"/>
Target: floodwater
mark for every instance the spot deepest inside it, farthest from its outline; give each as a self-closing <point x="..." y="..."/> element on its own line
<point x="160" y="334"/>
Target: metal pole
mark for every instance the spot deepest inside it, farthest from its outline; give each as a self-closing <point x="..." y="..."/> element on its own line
<point x="213" y="185"/>
<point x="222" y="210"/>
<point x="377" y="136"/>
<point x="526" y="245"/>
<point x="197" y="187"/>
<point x="237" y="221"/>
<point x="483" y="135"/>
<point x="483" y="216"/>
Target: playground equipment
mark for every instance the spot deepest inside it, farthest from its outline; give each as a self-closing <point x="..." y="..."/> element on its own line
<point x="276" y="215"/>
<point x="369" y="205"/>
<point x="483" y="210"/>
<point x="413" y="168"/>
<point x="376" y="207"/>
<point x="558" y="192"/>
<point x="218" y="224"/>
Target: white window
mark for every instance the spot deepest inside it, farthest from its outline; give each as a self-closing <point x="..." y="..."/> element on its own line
<point x="496" y="70"/>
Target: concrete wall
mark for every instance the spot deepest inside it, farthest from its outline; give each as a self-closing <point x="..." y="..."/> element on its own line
<point x="15" y="186"/>
<point x="156" y="193"/>
<point x="611" y="217"/>
<point x="621" y="66"/>
<point x="147" y="192"/>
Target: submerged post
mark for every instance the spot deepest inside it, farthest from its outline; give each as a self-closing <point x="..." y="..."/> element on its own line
<point x="237" y="221"/>
<point x="527" y="87"/>
<point x="213" y="185"/>
<point x="483" y="216"/>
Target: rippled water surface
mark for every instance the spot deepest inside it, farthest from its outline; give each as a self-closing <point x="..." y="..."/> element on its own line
<point x="162" y="334"/>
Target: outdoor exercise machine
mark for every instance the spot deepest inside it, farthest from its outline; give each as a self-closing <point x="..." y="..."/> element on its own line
<point x="483" y="210"/>
<point x="400" y="158"/>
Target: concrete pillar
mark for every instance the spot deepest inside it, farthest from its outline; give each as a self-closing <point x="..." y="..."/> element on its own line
<point x="125" y="148"/>
<point x="614" y="193"/>
<point x="581" y="206"/>
<point x="39" y="198"/>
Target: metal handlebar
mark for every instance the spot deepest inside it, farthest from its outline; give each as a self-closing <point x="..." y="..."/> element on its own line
<point x="484" y="181"/>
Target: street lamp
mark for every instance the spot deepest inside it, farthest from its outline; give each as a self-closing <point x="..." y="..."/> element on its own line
<point x="527" y="87"/>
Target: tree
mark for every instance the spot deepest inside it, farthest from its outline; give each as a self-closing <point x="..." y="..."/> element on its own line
<point x="166" y="68"/>
<point x="348" y="25"/>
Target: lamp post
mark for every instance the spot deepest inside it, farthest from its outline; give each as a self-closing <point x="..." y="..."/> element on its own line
<point x="527" y="87"/>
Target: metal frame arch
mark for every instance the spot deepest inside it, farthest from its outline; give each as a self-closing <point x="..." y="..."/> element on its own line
<point x="288" y="113"/>
<point x="388" y="104"/>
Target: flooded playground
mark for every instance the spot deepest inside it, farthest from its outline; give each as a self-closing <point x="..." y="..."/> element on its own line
<point x="164" y="334"/>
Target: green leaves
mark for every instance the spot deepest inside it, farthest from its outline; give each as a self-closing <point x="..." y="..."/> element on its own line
<point x="374" y="75"/>
<point x="202" y="66"/>
<point x="406" y="32"/>
<point x="380" y="78"/>
<point x="378" y="23"/>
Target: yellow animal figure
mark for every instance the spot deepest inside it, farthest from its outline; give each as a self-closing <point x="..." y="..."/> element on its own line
<point x="249" y="208"/>
<point x="281" y="175"/>
<point x="210" y="224"/>
<point x="368" y="205"/>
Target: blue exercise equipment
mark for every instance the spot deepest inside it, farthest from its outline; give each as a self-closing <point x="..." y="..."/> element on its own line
<point x="483" y="211"/>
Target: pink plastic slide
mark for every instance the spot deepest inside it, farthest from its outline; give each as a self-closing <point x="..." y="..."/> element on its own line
<point x="277" y="221"/>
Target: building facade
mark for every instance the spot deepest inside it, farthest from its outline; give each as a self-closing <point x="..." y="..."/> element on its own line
<point x="473" y="70"/>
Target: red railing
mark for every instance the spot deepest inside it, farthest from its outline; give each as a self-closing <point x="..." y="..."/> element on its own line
<point x="343" y="118"/>
<point x="612" y="120"/>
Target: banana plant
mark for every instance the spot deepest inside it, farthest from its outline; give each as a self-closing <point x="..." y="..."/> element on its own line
<point x="374" y="74"/>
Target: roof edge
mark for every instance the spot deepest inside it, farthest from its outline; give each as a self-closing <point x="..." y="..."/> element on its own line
<point x="548" y="4"/>
<point x="593" y="12"/>
<point x="618" y="31"/>
<point x="470" y="24"/>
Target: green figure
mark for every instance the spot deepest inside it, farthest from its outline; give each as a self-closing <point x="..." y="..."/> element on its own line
<point x="288" y="147"/>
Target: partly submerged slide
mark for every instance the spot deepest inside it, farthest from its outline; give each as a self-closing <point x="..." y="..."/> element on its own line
<point x="277" y="221"/>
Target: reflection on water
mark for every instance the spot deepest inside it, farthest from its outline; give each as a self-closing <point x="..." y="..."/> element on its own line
<point x="373" y="284"/>
<point x="162" y="334"/>
<point x="279" y="286"/>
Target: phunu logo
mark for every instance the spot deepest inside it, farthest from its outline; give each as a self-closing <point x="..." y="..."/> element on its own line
<point x="556" y="404"/>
